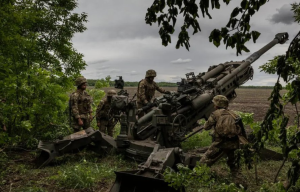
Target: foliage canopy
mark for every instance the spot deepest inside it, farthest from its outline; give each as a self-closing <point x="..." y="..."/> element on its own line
<point x="38" y="64"/>
<point x="234" y="34"/>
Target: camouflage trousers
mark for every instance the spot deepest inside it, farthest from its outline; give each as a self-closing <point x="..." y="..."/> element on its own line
<point x="217" y="150"/>
<point x="107" y="127"/>
<point x="76" y="127"/>
<point x="214" y="153"/>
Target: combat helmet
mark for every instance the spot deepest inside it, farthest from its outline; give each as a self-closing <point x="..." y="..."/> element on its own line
<point x="111" y="93"/>
<point x="220" y="101"/>
<point x="151" y="73"/>
<point x="80" y="80"/>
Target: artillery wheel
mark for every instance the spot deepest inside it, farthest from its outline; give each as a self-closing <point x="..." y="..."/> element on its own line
<point x="179" y="126"/>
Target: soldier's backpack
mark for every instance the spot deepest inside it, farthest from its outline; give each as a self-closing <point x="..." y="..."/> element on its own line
<point x="228" y="124"/>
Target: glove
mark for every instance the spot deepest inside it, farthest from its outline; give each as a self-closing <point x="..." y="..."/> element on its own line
<point x="167" y="92"/>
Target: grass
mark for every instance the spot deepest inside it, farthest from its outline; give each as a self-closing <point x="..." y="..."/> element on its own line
<point x="86" y="174"/>
<point x="73" y="172"/>
<point x="87" y="171"/>
<point x="198" y="140"/>
<point x="218" y="178"/>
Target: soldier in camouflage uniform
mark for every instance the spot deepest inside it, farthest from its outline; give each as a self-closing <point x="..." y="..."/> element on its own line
<point x="225" y="141"/>
<point x="146" y="90"/>
<point x="80" y="103"/>
<point x="105" y="121"/>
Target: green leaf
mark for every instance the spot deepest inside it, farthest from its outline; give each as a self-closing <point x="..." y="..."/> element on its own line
<point x="251" y="11"/>
<point x="224" y="31"/>
<point x="235" y="12"/>
<point x="244" y="48"/>
<point x="255" y="35"/>
<point x="226" y="1"/>
<point x="245" y="4"/>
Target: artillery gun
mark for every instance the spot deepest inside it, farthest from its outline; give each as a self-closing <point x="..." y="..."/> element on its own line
<point x="156" y="137"/>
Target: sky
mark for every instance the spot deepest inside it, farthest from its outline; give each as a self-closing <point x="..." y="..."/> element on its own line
<point x="119" y="42"/>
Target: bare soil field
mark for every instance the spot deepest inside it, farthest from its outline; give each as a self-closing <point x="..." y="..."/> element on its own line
<point x="247" y="101"/>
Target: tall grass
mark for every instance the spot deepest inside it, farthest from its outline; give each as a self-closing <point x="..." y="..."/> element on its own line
<point x="86" y="174"/>
<point x="201" y="139"/>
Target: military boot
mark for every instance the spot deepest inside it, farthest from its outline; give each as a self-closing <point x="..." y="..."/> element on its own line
<point x="237" y="177"/>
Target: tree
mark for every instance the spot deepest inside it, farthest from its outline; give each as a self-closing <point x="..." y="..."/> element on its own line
<point x="38" y="63"/>
<point x="286" y="67"/>
<point x="235" y="34"/>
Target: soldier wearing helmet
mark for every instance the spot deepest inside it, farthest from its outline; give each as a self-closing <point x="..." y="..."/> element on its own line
<point x="105" y="120"/>
<point x="227" y="137"/>
<point x="146" y="90"/>
<point x="80" y="105"/>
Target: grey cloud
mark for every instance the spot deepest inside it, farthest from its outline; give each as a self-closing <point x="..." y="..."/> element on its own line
<point x="111" y="21"/>
<point x="181" y="61"/>
<point x="176" y="78"/>
<point x="97" y="61"/>
<point x="89" y="73"/>
<point x="103" y="67"/>
<point x="134" y="73"/>
<point x="283" y="15"/>
<point x="131" y="45"/>
<point x="190" y="68"/>
<point x="113" y="71"/>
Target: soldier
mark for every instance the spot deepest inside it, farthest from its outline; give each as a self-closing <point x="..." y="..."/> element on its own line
<point x="146" y="90"/>
<point x="80" y="103"/>
<point x="105" y="121"/>
<point x="227" y="136"/>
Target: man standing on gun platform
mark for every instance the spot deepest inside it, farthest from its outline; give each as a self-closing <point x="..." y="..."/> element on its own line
<point x="80" y="106"/>
<point x="146" y="90"/>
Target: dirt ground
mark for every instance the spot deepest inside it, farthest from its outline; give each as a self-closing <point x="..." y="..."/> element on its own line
<point x="247" y="101"/>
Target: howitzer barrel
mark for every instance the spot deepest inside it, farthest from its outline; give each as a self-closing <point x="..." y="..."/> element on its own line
<point x="212" y="73"/>
<point x="146" y="118"/>
<point x="200" y="101"/>
<point x="279" y="38"/>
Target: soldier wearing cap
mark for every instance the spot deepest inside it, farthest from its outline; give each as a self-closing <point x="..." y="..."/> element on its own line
<point x="105" y="120"/>
<point x="146" y="90"/>
<point x="80" y="103"/>
<point x="226" y="137"/>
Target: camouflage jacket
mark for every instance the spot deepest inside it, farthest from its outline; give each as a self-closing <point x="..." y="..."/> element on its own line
<point x="103" y="110"/>
<point x="221" y="142"/>
<point x="80" y="104"/>
<point x="146" y="91"/>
